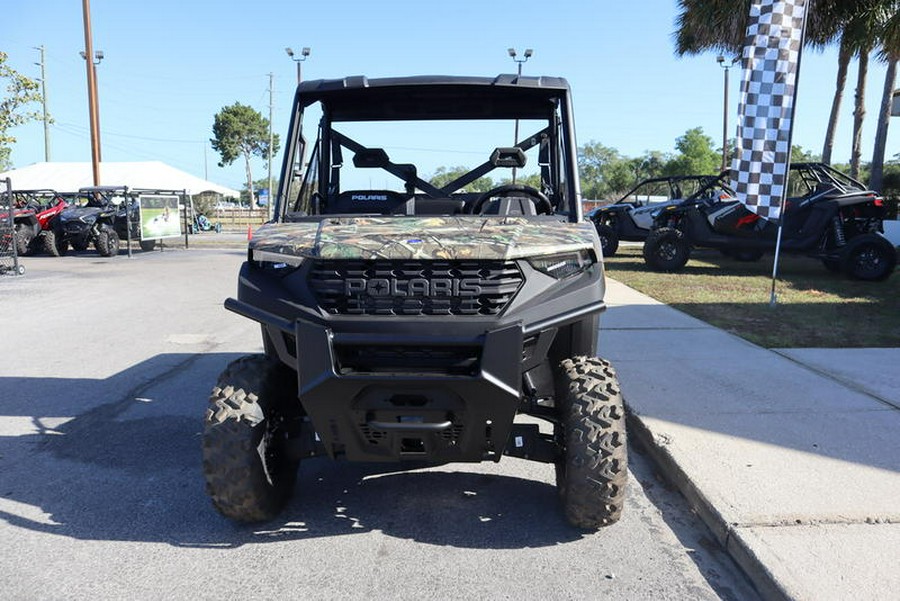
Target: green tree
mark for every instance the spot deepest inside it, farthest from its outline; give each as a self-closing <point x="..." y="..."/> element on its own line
<point x="240" y="130"/>
<point x="260" y="184"/>
<point x="444" y="175"/>
<point x="20" y="92"/>
<point x="696" y="155"/>
<point x="799" y="155"/>
<point x="605" y="174"/>
<point x="651" y="164"/>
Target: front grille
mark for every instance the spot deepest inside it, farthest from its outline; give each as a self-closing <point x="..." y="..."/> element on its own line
<point x="409" y="288"/>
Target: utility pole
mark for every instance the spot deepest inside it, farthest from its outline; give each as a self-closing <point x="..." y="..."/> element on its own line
<point x="271" y="139"/>
<point x="92" y="90"/>
<point x="44" y="102"/>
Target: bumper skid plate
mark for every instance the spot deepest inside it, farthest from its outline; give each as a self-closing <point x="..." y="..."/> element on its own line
<point x="398" y="412"/>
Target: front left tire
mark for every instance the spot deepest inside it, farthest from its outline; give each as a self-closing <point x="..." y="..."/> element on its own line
<point x="592" y="473"/>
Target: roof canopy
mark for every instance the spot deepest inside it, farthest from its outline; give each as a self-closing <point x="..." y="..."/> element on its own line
<point x="69" y="177"/>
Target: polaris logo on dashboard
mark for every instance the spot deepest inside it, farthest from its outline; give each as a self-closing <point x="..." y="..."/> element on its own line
<point x="422" y="287"/>
<point x="368" y="197"/>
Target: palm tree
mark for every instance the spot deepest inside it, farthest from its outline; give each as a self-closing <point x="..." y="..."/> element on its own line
<point x="890" y="52"/>
<point x="826" y="23"/>
<point x="711" y="25"/>
<point x="720" y="25"/>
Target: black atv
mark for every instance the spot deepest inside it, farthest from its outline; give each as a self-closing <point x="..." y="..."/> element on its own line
<point x="631" y="217"/>
<point x="829" y="216"/>
<point x="408" y="321"/>
<point x="91" y="220"/>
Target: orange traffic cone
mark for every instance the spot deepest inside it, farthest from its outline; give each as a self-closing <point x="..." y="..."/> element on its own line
<point x="249" y="233"/>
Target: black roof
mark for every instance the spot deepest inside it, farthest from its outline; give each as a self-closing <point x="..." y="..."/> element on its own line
<point x="359" y="98"/>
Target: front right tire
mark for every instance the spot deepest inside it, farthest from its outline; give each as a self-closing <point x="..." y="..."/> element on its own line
<point x="609" y="239"/>
<point x="249" y="473"/>
<point x="107" y="243"/>
<point x="592" y="473"/>
<point x="666" y="249"/>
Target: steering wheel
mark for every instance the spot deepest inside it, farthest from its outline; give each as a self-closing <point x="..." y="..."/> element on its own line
<point x="541" y="202"/>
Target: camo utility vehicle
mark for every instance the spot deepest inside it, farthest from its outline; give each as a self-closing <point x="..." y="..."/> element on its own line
<point x="407" y="318"/>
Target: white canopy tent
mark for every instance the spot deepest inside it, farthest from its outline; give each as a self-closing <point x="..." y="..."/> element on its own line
<point x="69" y="177"/>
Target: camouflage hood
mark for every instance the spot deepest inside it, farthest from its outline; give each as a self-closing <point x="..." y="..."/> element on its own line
<point x="423" y="238"/>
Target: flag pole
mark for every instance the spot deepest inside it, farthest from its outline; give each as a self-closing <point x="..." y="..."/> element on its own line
<point x="773" y="297"/>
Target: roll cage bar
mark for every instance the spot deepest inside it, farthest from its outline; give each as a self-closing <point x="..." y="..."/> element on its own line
<point x="503" y="97"/>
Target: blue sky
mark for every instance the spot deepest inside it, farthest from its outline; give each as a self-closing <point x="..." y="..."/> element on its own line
<point x="170" y="66"/>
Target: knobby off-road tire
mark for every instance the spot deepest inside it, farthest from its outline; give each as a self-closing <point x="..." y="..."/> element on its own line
<point x="592" y="474"/>
<point x="61" y="243"/>
<point x="107" y="243"/>
<point x="22" y="240"/>
<point x="609" y="239"/>
<point x="50" y="244"/>
<point x="869" y="257"/>
<point x="249" y="476"/>
<point x="666" y="249"/>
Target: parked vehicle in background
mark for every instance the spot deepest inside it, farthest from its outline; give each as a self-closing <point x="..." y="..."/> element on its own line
<point x="203" y="224"/>
<point x="828" y="216"/>
<point x="90" y="220"/>
<point x="126" y="221"/>
<point x="631" y="217"/>
<point x="33" y="216"/>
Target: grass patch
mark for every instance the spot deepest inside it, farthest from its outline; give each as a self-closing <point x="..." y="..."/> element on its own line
<point x="815" y="308"/>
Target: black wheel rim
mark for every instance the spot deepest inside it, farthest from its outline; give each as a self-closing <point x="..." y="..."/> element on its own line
<point x="868" y="262"/>
<point x="667" y="250"/>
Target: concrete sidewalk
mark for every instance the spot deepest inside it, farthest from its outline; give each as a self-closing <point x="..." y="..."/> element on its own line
<point x="791" y="457"/>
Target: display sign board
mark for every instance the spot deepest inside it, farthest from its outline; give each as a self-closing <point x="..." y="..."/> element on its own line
<point x="159" y="216"/>
<point x="895" y="105"/>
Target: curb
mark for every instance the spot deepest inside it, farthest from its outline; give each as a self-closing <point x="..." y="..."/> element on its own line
<point x="726" y="534"/>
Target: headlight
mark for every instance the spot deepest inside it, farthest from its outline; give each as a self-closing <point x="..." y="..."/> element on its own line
<point x="563" y="265"/>
<point x="275" y="263"/>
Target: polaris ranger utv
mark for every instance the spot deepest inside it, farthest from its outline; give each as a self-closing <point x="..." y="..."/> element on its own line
<point x="412" y="319"/>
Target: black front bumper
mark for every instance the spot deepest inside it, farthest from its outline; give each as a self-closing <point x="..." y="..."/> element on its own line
<point x="387" y="407"/>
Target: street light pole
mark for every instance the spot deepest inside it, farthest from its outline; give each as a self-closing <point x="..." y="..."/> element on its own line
<point x="297" y="163"/>
<point x="304" y="53"/>
<point x="519" y="63"/>
<point x="721" y="60"/>
<point x="271" y="140"/>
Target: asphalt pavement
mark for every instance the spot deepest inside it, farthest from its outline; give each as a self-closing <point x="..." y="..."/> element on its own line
<point x="790" y="456"/>
<point x="108" y="365"/>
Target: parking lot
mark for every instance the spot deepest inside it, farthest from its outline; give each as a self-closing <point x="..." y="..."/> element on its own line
<point x="108" y="366"/>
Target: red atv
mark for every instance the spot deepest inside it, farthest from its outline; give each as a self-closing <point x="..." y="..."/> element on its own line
<point x="33" y="215"/>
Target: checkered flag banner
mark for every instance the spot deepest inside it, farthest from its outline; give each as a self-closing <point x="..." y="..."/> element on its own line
<point x="771" y="61"/>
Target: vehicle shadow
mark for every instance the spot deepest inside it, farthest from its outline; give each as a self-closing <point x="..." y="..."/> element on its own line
<point x="130" y="469"/>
